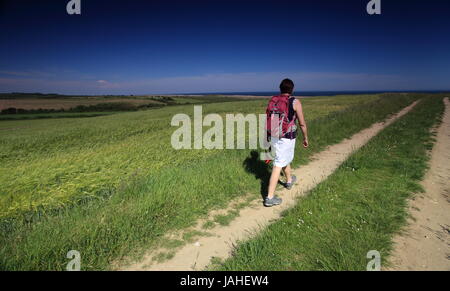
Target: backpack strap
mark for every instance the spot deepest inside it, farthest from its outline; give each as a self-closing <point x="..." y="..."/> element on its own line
<point x="291" y="113"/>
<point x="291" y="117"/>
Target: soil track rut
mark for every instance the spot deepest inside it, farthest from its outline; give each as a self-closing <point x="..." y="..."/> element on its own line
<point x="197" y="256"/>
<point x="426" y="245"/>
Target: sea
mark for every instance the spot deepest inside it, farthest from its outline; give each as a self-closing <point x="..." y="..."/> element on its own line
<point x="307" y="93"/>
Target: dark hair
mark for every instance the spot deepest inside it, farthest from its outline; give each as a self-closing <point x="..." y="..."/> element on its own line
<point x="287" y="86"/>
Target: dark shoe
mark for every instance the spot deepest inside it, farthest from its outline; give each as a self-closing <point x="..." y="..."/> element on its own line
<point x="272" y="202"/>
<point x="289" y="185"/>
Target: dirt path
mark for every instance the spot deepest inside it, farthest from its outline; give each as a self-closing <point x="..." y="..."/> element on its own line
<point x="197" y="256"/>
<point x="426" y="245"/>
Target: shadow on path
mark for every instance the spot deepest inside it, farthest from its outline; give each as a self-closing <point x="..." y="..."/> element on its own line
<point x="259" y="169"/>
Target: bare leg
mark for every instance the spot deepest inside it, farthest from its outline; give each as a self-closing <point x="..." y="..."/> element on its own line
<point x="274" y="177"/>
<point x="287" y="173"/>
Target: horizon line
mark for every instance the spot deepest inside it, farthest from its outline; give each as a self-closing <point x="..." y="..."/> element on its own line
<point x="242" y="92"/>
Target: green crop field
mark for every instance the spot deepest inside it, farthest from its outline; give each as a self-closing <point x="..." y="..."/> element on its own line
<point x="52" y="162"/>
<point x="111" y="186"/>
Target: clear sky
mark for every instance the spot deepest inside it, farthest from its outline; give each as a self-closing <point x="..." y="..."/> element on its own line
<point x="139" y="47"/>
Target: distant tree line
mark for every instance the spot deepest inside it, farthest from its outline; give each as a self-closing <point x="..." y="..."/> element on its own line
<point x="18" y="95"/>
<point x="101" y="107"/>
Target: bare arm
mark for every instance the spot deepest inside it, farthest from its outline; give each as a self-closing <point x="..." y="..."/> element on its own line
<point x="301" y="120"/>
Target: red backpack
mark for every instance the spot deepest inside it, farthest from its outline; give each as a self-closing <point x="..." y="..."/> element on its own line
<point x="280" y="115"/>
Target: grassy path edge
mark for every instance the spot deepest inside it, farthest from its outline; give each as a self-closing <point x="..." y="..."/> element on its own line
<point x="355" y="212"/>
<point x="424" y="243"/>
<point x="197" y="256"/>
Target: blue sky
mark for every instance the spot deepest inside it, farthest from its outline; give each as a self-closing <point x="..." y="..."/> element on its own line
<point x="145" y="47"/>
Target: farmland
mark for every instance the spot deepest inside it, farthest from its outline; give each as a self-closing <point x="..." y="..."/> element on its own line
<point x="111" y="186"/>
<point x="71" y="159"/>
<point x="16" y="106"/>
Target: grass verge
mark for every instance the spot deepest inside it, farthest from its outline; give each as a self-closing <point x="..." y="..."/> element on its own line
<point x="357" y="209"/>
<point x="130" y="219"/>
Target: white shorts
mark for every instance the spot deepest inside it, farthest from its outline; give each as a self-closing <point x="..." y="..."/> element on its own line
<point x="283" y="149"/>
